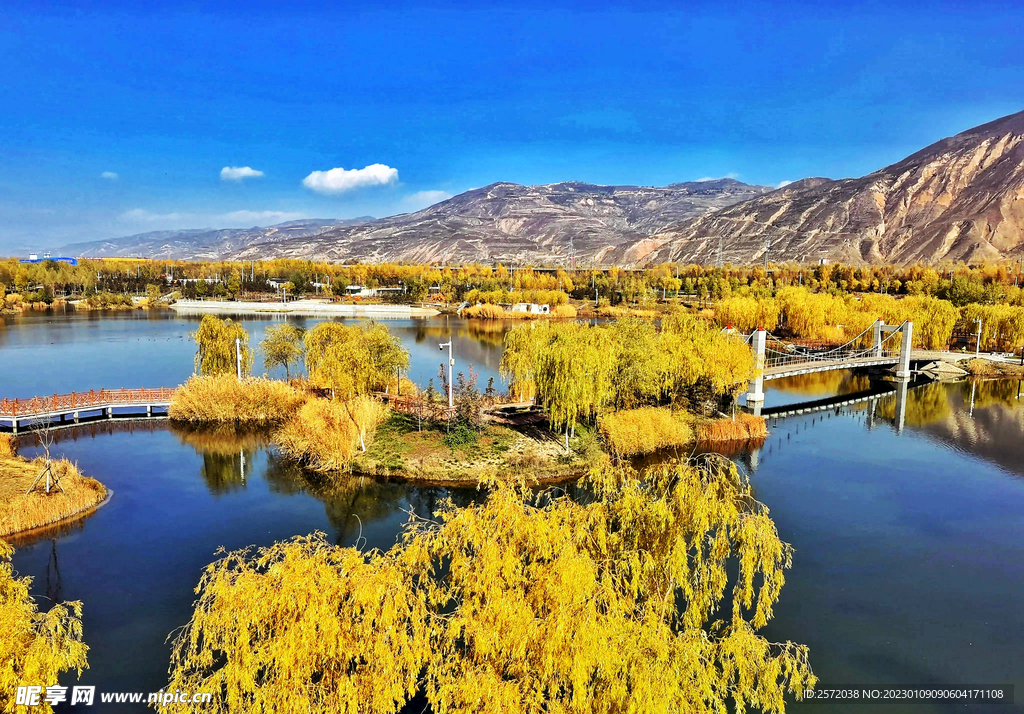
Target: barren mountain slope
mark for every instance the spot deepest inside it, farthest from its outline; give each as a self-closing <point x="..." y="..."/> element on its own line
<point x="961" y="198"/>
<point x="503" y="221"/>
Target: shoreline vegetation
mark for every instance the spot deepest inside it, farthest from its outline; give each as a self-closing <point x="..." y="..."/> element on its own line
<point x="21" y="512"/>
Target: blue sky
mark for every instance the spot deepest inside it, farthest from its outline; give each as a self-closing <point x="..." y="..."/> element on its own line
<point x="118" y="118"/>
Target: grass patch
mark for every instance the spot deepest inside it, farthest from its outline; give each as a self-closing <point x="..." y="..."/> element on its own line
<point x="987" y="368"/>
<point x="225" y="399"/>
<point x="459" y="436"/>
<point x="21" y="512"/>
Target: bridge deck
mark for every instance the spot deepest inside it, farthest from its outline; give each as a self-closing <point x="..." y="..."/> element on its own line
<point x="791" y="370"/>
<point x="58" y="406"/>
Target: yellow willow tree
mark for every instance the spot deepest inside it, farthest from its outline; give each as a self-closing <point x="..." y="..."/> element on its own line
<point x="639" y="363"/>
<point x="353" y="359"/>
<point x="282" y="347"/>
<point x="387" y="356"/>
<point x="697" y="352"/>
<point x="519" y="357"/>
<point x="215" y="339"/>
<point x="648" y="598"/>
<point x="573" y="374"/>
<point x="748" y="313"/>
<point x="35" y="647"/>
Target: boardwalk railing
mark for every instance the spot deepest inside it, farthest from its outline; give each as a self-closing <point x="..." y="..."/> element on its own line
<point x="420" y="408"/>
<point x="84" y="401"/>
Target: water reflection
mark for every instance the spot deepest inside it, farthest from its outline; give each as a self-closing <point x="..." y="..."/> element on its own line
<point x="980" y="417"/>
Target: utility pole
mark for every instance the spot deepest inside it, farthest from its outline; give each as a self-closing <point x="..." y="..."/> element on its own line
<point x="451" y="366"/>
<point x="977" y="341"/>
<point x="238" y="356"/>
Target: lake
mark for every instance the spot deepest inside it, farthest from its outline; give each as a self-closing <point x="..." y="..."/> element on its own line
<point x="909" y="541"/>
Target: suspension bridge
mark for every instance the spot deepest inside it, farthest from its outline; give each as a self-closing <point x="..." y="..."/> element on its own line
<point x="776" y="358"/>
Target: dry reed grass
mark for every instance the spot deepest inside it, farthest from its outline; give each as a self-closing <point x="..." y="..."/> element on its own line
<point x="325" y="435"/>
<point x="8" y="445"/>
<point x="744" y="426"/>
<point x="643" y="431"/>
<point x="224" y="399"/>
<point x="20" y="512"/>
<point x="620" y="311"/>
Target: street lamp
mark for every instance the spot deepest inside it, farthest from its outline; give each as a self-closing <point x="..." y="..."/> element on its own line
<point x="451" y="366"/>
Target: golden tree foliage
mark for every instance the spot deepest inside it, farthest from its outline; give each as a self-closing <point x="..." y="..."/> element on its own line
<point x="216" y="341"/>
<point x="282" y="347"/>
<point x="815" y="316"/>
<point x="353" y="359"/>
<point x="224" y="399"/>
<point x="35" y="647"/>
<point x="646" y="599"/>
<point x="748" y="313"/>
<point x="1002" y="326"/>
<point x="578" y="370"/>
<point x="644" y="431"/>
<point x="304" y="627"/>
<point x="325" y="434"/>
<point x="697" y="351"/>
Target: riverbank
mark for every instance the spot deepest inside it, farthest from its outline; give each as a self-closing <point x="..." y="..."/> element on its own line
<point x="20" y="512"/>
<point x="300" y="307"/>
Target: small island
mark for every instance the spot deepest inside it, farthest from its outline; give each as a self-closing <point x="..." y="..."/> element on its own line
<point x="42" y="492"/>
<point x="580" y="396"/>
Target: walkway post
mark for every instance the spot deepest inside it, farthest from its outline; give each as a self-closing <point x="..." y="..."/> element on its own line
<point x="451" y="366"/>
<point x="876" y="338"/>
<point x="756" y="393"/>
<point x="238" y="357"/>
<point x="903" y="368"/>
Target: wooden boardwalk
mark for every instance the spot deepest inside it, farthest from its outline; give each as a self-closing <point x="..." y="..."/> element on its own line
<point x="36" y="411"/>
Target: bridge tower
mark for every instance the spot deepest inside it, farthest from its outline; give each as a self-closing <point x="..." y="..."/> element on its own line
<point x="755" y="397"/>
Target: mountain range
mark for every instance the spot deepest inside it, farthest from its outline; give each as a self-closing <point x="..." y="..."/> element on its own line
<point x="961" y="198"/>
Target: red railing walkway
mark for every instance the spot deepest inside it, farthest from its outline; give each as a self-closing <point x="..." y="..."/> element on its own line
<point x="59" y="406"/>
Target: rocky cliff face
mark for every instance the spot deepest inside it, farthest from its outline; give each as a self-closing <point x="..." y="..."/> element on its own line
<point x="961" y="198"/>
<point x="501" y="222"/>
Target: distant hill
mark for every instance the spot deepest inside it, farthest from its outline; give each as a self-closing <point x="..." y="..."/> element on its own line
<point x="961" y="198"/>
<point x="198" y="244"/>
<point x="503" y="221"/>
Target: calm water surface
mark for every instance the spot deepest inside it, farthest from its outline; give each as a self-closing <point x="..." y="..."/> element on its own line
<point x="909" y="542"/>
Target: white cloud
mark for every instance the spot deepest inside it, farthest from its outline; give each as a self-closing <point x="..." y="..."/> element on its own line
<point x="718" y="178"/>
<point x="141" y="215"/>
<point x="109" y="175"/>
<point x="232" y="219"/>
<point x="257" y="218"/>
<point x="237" y="173"/>
<point x="782" y="184"/>
<point x="341" y="180"/>
<point x="423" y="199"/>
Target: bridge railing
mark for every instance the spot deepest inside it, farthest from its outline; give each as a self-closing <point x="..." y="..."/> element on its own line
<point x="780" y="354"/>
<point x="93" y="399"/>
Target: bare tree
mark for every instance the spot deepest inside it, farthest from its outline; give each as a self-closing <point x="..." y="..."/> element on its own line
<point x="44" y="438"/>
